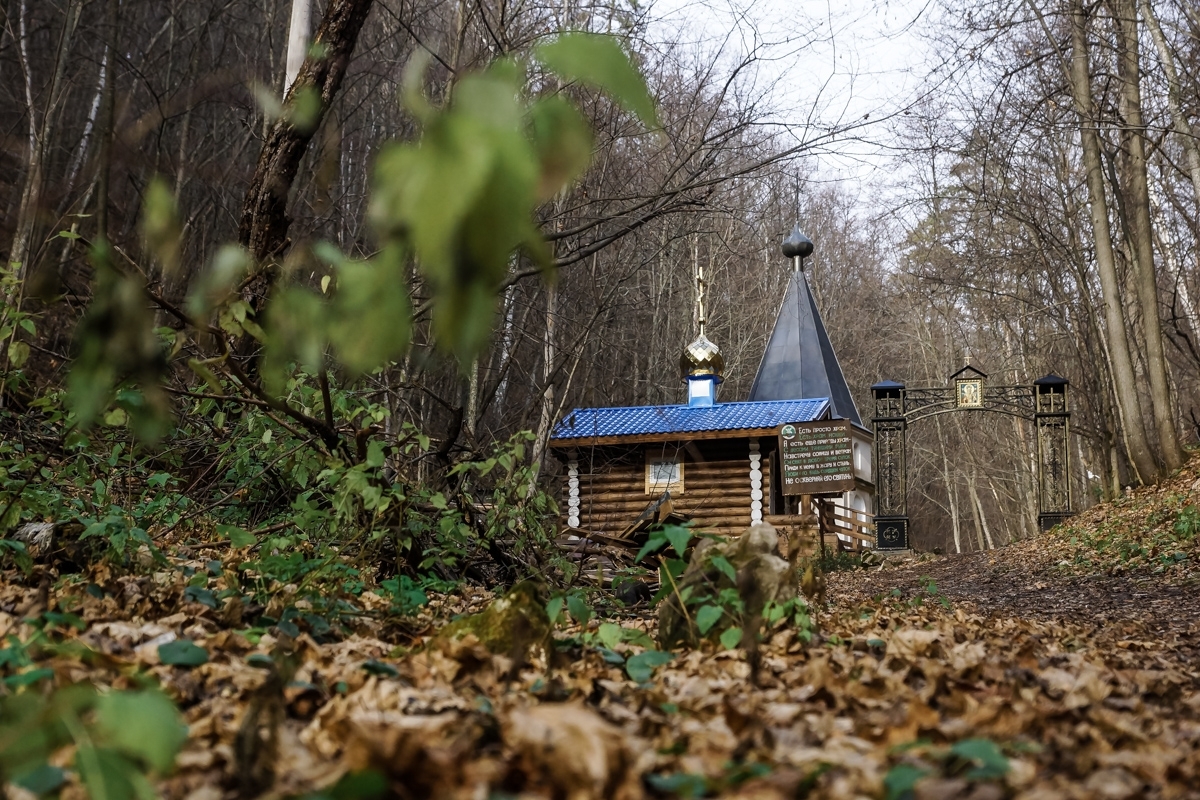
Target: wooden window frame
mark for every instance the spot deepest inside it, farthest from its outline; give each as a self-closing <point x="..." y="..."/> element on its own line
<point x="676" y="488"/>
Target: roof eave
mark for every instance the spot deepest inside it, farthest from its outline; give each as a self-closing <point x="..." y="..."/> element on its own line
<point x="674" y="436"/>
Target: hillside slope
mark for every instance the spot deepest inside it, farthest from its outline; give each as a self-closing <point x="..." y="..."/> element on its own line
<point x="1129" y="567"/>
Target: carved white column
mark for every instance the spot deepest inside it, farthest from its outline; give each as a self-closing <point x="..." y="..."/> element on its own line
<point x="756" y="492"/>
<point x="573" y="490"/>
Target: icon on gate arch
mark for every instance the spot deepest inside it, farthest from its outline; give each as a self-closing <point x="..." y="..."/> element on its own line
<point x="970" y="394"/>
<point x="968" y="387"/>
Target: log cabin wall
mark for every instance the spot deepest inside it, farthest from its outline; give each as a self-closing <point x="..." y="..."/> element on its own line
<point x="609" y="483"/>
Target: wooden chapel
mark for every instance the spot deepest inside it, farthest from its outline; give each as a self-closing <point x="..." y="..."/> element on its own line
<point x="720" y="462"/>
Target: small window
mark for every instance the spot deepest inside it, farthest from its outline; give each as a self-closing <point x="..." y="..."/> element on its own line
<point x="862" y="460"/>
<point x="664" y="474"/>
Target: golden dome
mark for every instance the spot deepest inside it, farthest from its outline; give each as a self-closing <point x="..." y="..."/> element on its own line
<point x="702" y="357"/>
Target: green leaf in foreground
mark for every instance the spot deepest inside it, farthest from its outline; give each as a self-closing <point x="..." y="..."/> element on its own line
<point x="109" y="774"/>
<point x="380" y="668"/>
<point x="609" y="634"/>
<point x="610" y="656"/>
<point x="579" y="609"/>
<point x="706" y="617"/>
<point x="654" y="543"/>
<point x="731" y="638"/>
<point x="144" y="725"/>
<point x="900" y="780"/>
<point x="238" y="537"/>
<point x="599" y="61"/>
<point x="554" y="608"/>
<point x="28" y="678"/>
<point x="985" y="754"/>
<point x="42" y="779"/>
<point x="366" y="785"/>
<point x="196" y="594"/>
<point x="679" y="537"/>
<point x="641" y="667"/>
<point x="182" y="653"/>
<point x="722" y="563"/>
<point x="680" y="784"/>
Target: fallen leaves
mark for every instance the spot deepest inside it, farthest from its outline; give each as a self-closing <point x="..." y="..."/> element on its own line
<point x="945" y="701"/>
<point x="574" y="752"/>
<point x="996" y="677"/>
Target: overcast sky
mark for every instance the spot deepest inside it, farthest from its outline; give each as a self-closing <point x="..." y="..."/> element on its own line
<point x="843" y="59"/>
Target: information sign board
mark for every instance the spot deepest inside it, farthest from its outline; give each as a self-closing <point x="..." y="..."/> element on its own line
<point x="816" y="457"/>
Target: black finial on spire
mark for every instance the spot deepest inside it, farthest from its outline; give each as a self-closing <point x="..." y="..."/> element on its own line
<point x="797" y="244"/>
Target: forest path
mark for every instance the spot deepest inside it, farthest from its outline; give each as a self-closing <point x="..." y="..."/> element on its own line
<point x="1136" y="610"/>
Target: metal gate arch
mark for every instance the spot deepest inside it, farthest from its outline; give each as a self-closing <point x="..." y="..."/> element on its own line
<point x="1044" y="402"/>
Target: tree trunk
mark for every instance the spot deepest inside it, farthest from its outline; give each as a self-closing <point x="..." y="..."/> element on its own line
<point x="298" y="30"/>
<point x="1124" y="380"/>
<point x="986" y="540"/>
<point x="505" y="351"/>
<point x="1187" y="140"/>
<point x="21" y="249"/>
<point x="1141" y="233"/>
<point x="1179" y="122"/>
<point x="1167" y="246"/>
<point x="264" y="222"/>
<point x="951" y="485"/>
<point x="105" y="135"/>
<point x="471" y="415"/>
<point x="546" y="418"/>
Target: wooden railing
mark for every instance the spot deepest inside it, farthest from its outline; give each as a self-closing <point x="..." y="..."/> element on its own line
<point x="841" y="528"/>
<point x="853" y="530"/>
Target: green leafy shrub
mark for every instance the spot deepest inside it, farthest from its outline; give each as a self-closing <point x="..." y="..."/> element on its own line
<point x="1187" y="523"/>
<point x="712" y="598"/>
<point x="121" y="740"/>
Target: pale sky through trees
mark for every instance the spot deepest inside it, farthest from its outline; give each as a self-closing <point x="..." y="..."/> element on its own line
<point x="836" y="62"/>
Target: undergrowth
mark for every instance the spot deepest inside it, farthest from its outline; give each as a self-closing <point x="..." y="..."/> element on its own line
<point x="1156" y="533"/>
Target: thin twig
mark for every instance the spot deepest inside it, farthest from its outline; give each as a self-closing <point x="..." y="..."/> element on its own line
<point x="249" y="401"/>
<point x="234" y="491"/>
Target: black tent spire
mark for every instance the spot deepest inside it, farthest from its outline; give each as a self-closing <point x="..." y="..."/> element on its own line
<point x="799" y="361"/>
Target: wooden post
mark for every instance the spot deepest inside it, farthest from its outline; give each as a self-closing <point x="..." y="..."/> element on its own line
<point x="809" y="520"/>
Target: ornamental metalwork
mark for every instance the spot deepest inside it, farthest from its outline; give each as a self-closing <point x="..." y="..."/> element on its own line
<point x="889" y="468"/>
<point x="896" y="406"/>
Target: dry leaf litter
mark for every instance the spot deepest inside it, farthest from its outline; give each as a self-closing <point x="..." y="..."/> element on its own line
<point x="1053" y="668"/>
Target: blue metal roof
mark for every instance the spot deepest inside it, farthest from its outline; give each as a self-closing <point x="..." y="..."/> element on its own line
<point x="594" y="423"/>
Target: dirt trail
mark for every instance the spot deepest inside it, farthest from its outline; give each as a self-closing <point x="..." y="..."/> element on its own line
<point x="1128" y="609"/>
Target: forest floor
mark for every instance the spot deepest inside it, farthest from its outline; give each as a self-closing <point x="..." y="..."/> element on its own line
<point x="1064" y="666"/>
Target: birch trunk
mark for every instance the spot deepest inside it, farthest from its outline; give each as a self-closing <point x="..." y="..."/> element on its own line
<point x="298" y="31"/>
<point x="106" y="126"/>
<point x="40" y="131"/>
<point x="1125" y="383"/>
<point x="1167" y="245"/>
<point x="951" y="486"/>
<point x="546" y="419"/>
<point x="1179" y="122"/>
<point x="1142" y="234"/>
<point x="88" y="127"/>
<point x="264" y="223"/>
<point x="980" y="519"/>
<point x="506" y="346"/>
